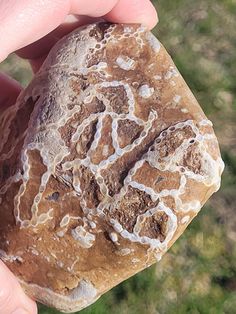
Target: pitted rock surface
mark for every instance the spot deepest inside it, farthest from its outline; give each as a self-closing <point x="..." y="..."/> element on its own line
<point x="104" y="160"/>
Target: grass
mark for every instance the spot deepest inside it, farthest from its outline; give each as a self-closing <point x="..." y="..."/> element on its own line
<point x="198" y="274"/>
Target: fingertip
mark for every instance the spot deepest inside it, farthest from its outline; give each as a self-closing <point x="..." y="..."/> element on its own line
<point x="93" y="8"/>
<point x="134" y="11"/>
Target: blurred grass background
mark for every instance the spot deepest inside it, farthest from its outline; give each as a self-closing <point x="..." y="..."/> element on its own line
<point x="198" y="274"/>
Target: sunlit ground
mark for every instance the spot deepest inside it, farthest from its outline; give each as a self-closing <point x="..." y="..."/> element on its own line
<point x="198" y="274"/>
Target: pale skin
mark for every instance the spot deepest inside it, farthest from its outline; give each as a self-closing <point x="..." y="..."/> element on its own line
<point x="30" y="28"/>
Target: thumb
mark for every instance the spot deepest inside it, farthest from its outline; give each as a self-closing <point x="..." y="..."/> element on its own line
<point x="12" y="298"/>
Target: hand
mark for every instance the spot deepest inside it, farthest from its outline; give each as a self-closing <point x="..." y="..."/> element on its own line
<point x="24" y="22"/>
<point x="31" y="28"/>
<point x="12" y="298"/>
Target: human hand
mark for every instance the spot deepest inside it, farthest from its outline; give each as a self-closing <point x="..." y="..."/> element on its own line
<point x="31" y="28"/>
<point x="12" y="298"/>
<point x="24" y="22"/>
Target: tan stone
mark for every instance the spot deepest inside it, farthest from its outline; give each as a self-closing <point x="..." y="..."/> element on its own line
<point x="104" y="161"/>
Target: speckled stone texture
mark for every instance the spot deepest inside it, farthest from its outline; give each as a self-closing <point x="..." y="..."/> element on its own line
<point x="104" y="161"/>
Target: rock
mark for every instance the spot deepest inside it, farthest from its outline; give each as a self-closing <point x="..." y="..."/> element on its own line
<point x="104" y="161"/>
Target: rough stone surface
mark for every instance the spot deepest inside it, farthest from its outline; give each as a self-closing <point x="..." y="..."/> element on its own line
<point x="104" y="161"/>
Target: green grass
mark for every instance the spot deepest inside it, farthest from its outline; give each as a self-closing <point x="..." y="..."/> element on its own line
<point x="198" y="274"/>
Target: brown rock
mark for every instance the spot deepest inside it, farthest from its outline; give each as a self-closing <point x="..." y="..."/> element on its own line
<point x="104" y="161"/>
